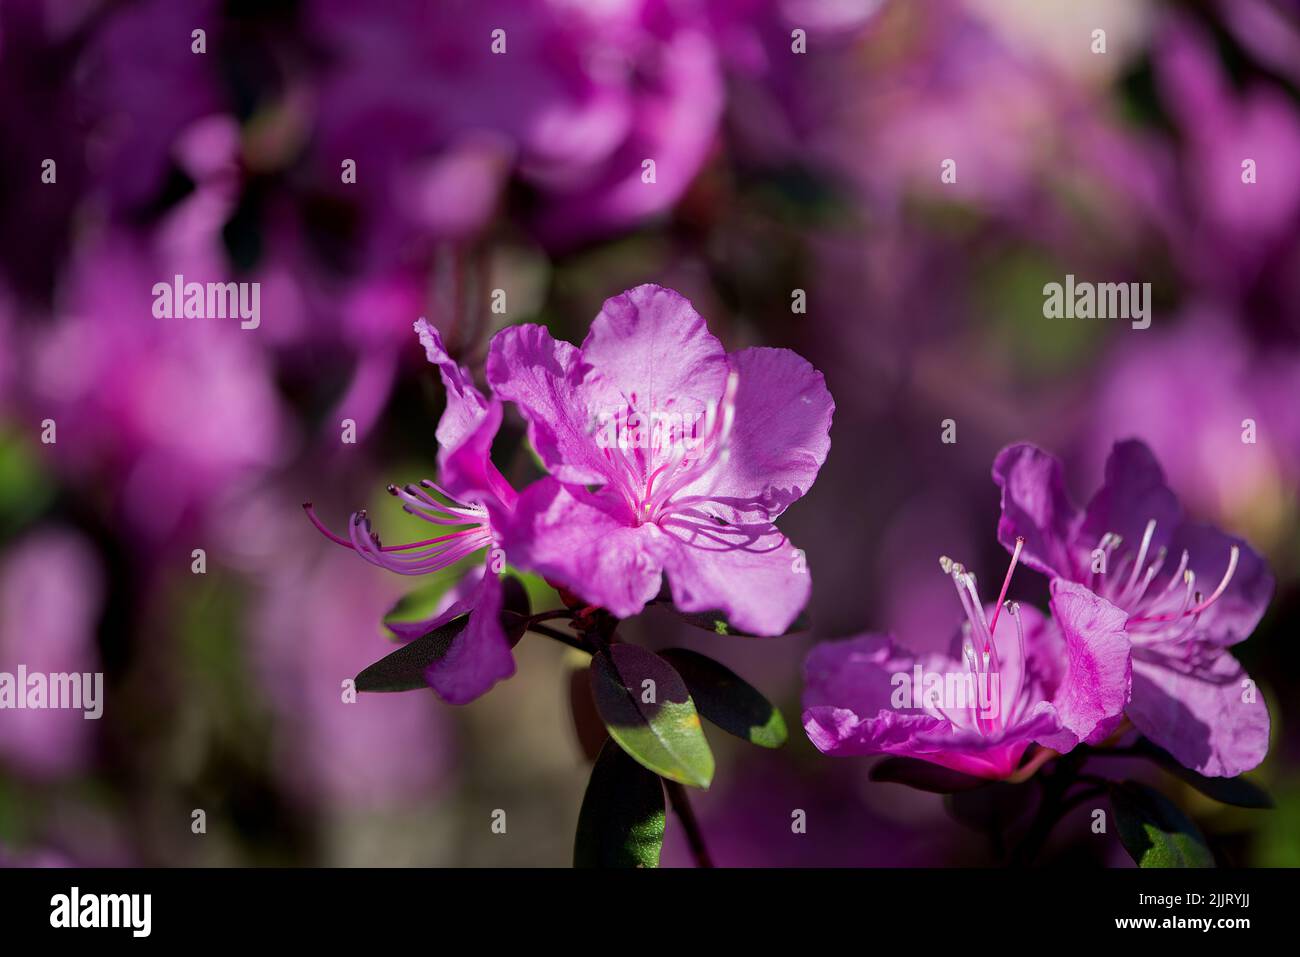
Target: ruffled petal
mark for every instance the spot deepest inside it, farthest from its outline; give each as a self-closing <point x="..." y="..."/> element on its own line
<point x="1202" y="716"/>
<point x="466" y="430"/>
<point x="1235" y="613"/>
<point x="558" y="394"/>
<point x="1098" y="673"/>
<point x="1133" y="494"/>
<point x="748" y="570"/>
<point x="781" y="434"/>
<point x="584" y="542"/>
<point x="1035" y="507"/>
<point x="480" y="656"/>
<point x="655" y="353"/>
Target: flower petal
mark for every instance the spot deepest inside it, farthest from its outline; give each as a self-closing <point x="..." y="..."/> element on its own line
<point x="1236" y="612"/>
<point x="1035" y="506"/>
<point x="655" y="353"/>
<point x="781" y="434"/>
<point x="480" y="656"/>
<point x="466" y="430"/>
<point x="584" y="542"/>
<point x="848" y="687"/>
<point x="1134" y="493"/>
<point x="747" y="569"/>
<point x="553" y="387"/>
<point x="1098" y="673"/>
<point x="457" y="600"/>
<point x="1198" y="714"/>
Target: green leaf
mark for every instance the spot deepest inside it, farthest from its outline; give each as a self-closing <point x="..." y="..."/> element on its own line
<point x="621" y="823"/>
<point x="514" y="609"/>
<point x="403" y="670"/>
<point x="1154" y="831"/>
<point x="1237" y="791"/>
<point x="716" y="622"/>
<point x="421" y="603"/>
<point x="647" y="709"/>
<point x="924" y="776"/>
<point x="728" y="700"/>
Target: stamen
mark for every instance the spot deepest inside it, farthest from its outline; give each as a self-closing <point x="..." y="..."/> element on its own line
<point x="1142" y="553"/>
<point x="320" y="526"/>
<point x="1006" y="583"/>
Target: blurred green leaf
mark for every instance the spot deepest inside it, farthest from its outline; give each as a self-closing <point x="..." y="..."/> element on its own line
<point x="728" y="700"/>
<point x="24" y="489"/>
<point x="403" y="670"/>
<point x="1154" y="831"/>
<point x="621" y="823"/>
<point x="647" y="709"/>
<point x="422" y="603"/>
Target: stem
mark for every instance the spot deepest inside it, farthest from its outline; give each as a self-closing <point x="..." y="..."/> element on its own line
<point x="681" y="803"/>
<point x="556" y="635"/>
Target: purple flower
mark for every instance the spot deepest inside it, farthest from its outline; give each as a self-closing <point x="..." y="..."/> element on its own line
<point x="1019" y="679"/>
<point x="1188" y="590"/>
<point x="667" y="454"/>
<point x="51" y="590"/>
<point x="468" y="506"/>
<point x="441" y="105"/>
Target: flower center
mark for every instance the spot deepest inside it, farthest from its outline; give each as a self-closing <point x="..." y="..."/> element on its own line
<point x="648" y="467"/>
<point x="978" y="645"/>
<point x="1164" y="614"/>
<point x="473" y="531"/>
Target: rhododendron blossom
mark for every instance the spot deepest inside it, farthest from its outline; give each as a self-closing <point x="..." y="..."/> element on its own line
<point x="1059" y="681"/>
<point x="725" y="443"/>
<point x="1188" y="592"/>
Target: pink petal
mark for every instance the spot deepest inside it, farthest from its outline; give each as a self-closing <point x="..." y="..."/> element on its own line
<point x="1134" y="493"/>
<point x="554" y="389"/>
<point x="1035" y="506"/>
<point x="1098" y="673"/>
<point x="746" y="569"/>
<point x="480" y="656"/>
<point x="466" y="430"/>
<point x="781" y="433"/>
<point x="1198" y="714"/>
<point x="655" y="353"/>
<point x="585" y="543"/>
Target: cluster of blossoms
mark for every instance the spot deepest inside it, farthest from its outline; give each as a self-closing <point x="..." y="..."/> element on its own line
<point x="612" y="518"/>
<point x="1144" y="606"/>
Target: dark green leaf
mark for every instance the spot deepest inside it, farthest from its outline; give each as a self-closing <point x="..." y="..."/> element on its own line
<point x="716" y="622"/>
<point x="621" y="823"/>
<point x="924" y="776"/>
<point x="647" y="709"/>
<point x="420" y="604"/>
<point x="728" y="700"/>
<point x="403" y="670"/>
<point x="1235" y="791"/>
<point x="514" y="609"/>
<point x="1154" y="831"/>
